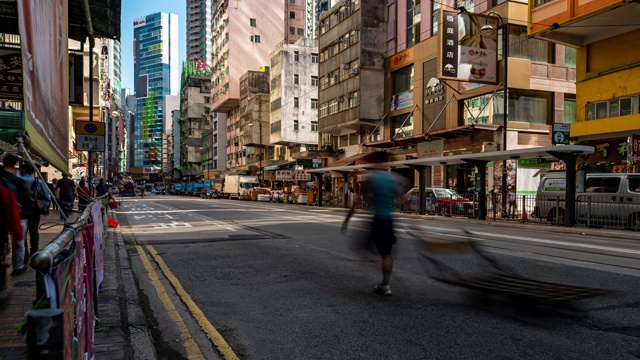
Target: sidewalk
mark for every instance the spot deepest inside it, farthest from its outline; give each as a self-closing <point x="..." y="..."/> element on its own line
<point x="124" y="334"/>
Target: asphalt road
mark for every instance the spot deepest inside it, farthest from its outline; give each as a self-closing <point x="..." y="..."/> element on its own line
<point x="227" y="278"/>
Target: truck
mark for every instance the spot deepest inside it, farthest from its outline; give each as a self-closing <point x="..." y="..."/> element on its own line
<point x="236" y="186"/>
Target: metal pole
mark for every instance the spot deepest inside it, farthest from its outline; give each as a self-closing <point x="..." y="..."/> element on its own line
<point x="92" y="44"/>
<point x="261" y="153"/>
<point x="505" y="104"/>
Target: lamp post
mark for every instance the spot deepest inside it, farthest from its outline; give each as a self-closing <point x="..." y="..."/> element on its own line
<point x="489" y="30"/>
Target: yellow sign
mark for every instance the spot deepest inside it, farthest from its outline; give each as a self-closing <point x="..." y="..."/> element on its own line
<point x="402" y="58"/>
<point x="95" y="128"/>
<point x="155" y="47"/>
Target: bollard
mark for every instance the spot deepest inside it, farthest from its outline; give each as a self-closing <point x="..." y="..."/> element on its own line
<point x="45" y="329"/>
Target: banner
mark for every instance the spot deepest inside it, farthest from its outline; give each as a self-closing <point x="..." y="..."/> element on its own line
<point x="44" y="33"/>
<point x="98" y="237"/>
<point x="63" y="278"/>
<point x="465" y="53"/>
<point x="83" y="258"/>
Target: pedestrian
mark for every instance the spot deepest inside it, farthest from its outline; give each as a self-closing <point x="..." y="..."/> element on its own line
<point x="511" y="197"/>
<point x="66" y="194"/>
<point x="33" y="219"/>
<point x="103" y="189"/>
<point x="83" y="194"/>
<point x="383" y="187"/>
<point x="10" y="226"/>
<point x="14" y="183"/>
<point x="52" y="187"/>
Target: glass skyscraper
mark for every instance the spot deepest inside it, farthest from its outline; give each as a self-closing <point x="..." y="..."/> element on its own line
<point x="156" y="75"/>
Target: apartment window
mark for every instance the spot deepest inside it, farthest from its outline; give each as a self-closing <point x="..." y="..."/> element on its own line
<point x="300" y="31"/>
<point x="292" y="30"/>
<point x="296" y="102"/>
<point x="402" y="79"/>
<point x="296" y="79"/>
<point x="402" y="126"/>
<point x="314" y="58"/>
<point x="295" y="125"/>
<point x="435" y="12"/>
<point x="314" y="103"/>
<point x="292" y="14"/>
<point x="252" y="22"/>
<point x="292" y="2"/>
<point x="296" y="56"/>
<point x="314" y="81"/>
<point x="413" y="22"/>
<point x="569" y="56"/>
<point x="314" y="126"/>
<point x="613" y="108"/>
<point x="537" y="3"/>
<point x="255" y="38"/>
<point x="521" y="46"/>
<point x="569" y="109"/>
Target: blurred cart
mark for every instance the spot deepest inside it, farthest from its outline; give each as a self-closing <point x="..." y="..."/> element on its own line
<point x="491" y="278"/>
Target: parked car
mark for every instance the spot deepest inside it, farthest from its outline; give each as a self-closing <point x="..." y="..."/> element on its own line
<point x="161" y="190"/>
<point x="438" y="201"/>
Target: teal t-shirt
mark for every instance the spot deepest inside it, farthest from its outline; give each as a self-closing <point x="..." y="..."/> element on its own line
<point x="383" y="188"/>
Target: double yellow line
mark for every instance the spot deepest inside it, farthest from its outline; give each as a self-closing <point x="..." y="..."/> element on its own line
<point x="192" y="349"/>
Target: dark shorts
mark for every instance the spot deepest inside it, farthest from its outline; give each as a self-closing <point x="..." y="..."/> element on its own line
<point x="382" y="235"/>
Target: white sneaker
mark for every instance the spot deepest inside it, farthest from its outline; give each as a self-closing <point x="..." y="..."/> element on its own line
<point x="382" y="289"/>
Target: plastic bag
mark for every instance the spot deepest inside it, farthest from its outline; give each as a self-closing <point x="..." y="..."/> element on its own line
<point x="112" y="222"/>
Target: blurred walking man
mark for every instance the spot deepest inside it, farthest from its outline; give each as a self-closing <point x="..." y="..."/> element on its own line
<point x="383" y="187"/>
<point x="33" y="219"/>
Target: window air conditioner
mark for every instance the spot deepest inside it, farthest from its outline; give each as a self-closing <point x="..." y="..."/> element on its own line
<point x="354" y="72"/>
<point x="346" y="66"/>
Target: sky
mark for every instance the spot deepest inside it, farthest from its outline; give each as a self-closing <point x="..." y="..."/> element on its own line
<point x="133" y="9"/>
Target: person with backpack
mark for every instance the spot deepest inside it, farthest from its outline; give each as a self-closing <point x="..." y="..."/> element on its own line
<point x="38" y="190"/>
<point x="10" y="180"/>
<point x="66" y="194"/>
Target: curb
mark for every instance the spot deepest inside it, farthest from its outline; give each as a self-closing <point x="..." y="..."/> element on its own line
<point x="140" y="340"/>
<point x="582" y="230"/>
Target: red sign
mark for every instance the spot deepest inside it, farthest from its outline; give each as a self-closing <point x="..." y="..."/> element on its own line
<point x="635" y="150"/>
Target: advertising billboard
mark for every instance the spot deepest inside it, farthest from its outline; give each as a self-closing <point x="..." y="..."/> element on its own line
<point x="466" y="54"/>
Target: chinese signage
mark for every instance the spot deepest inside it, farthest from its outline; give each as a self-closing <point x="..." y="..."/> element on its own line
<point x="465" y="53"/>
<point x="402" y="100"/>
<point x="284" y="174"/>
<point x="302" y="176"/>
<point x="90" y="135"/>
<point x="635" y="150"/>
<point x="10" y="74"/>
<point x="45" y="79"/>
<point x="155" y="47"/>
<point x="150" y="170"/>
<point x="402" y="58"/>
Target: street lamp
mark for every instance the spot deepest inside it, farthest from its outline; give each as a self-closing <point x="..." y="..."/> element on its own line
<point x="490" y="30"/>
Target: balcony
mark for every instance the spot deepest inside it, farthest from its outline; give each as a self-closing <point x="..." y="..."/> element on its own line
<point x="577" y="23"/>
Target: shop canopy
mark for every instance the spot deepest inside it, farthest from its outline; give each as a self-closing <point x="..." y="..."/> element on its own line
<point x="279" y="166"/>
<point x="567" y="153"/>
<point x="548" y="153"/>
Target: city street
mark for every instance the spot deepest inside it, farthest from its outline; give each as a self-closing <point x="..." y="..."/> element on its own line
<point x="227" y="278"/>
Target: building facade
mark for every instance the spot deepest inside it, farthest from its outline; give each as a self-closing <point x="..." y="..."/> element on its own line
<point x="607" y="100"/>
<point x="293" y="124"/>
<point x="156" y="75"/>
<point x="195" y="100"/>
<point x="300" y="20"/>
<point x="429" y="113"/>
<point x="352" y="47"/>
<point x="199" y="16"/>
<point x="244" y="35"/>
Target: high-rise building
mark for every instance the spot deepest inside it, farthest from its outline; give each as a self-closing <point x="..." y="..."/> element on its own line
<point x="156" y="75"/>
<point x="199" y="15"/>
<point x="243" y="37"/>
<point x="300" y="20"/>
<point x="294" y="87"/>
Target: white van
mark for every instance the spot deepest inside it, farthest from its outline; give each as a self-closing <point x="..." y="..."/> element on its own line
<point x="601" y="199"/>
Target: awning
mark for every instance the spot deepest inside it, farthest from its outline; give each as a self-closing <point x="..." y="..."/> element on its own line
<point x="279" y="166"/>
<point x="438" y="134"/>
<point x="362" y="158"/>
